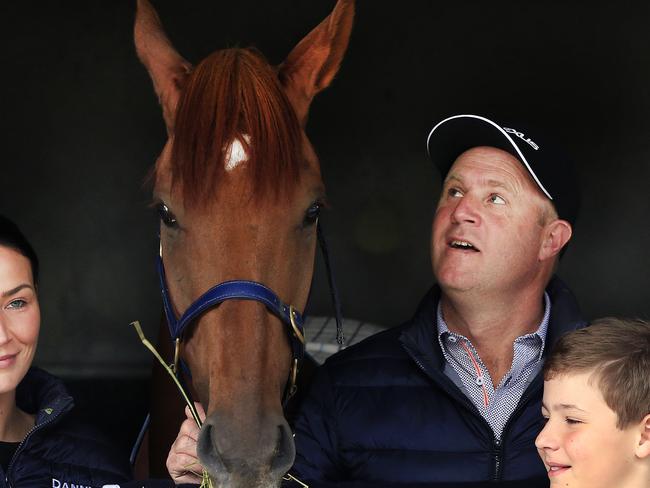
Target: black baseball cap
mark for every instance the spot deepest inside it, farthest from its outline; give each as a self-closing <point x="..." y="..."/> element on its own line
<point x="550" y="168"/>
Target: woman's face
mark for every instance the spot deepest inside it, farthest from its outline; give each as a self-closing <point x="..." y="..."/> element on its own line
<point x="20" y="318"/>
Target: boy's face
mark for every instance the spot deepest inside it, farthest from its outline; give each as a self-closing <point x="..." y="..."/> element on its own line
<point x="580" y="444"/>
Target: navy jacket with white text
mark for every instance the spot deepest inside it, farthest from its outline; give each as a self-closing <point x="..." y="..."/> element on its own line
<point x="59" y="452"/>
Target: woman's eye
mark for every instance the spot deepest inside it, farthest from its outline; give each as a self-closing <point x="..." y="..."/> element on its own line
<point x="166" y="216"/>
<point x="17" y="304"/>
<point x="497" y="199"/>
<point x="312" y="213"/>
<point x="571" y="421"/>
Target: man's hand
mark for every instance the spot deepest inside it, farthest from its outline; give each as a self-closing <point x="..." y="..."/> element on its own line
<point x="182" y="462"/>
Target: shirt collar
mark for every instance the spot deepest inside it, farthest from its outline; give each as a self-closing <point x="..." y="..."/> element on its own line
<point x="443" y="329"/>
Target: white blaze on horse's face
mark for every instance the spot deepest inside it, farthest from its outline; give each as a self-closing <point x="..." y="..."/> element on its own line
<point x="236" y="154"/>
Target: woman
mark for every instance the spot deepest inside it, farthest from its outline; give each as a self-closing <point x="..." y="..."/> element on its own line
<point x="40" y="444"/>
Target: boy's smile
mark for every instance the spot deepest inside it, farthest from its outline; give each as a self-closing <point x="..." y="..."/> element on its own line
<point x="581" y="445"/>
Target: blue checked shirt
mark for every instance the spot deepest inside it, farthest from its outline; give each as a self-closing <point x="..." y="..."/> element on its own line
<point x="496" y="405"/>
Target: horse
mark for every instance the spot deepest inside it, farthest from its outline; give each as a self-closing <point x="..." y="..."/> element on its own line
<point x="238" y="189"/>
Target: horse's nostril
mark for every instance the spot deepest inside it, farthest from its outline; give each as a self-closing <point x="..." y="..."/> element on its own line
<point x="285" y="451"/>
<point x="208" y="454"/>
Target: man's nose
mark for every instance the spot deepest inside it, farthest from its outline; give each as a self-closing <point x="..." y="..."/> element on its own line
<point x="466" y="211"/>
<point x="547" y="439"/>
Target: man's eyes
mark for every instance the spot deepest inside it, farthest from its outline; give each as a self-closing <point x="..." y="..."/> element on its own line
<point x="493" y="198"/>
<point x="497" y="199"/>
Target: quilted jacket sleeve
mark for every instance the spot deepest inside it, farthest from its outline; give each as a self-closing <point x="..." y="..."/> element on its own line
<point x="317" y="456"/>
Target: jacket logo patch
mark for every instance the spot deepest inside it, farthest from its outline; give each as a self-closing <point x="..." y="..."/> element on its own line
<point x="64" y="484"/>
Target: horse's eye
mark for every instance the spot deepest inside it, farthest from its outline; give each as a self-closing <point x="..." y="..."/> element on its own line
<point x="312" y="213"/>
<point x="166" y="216"/>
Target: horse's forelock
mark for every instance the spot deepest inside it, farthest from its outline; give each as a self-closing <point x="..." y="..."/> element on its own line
<point x="235" y="94"/>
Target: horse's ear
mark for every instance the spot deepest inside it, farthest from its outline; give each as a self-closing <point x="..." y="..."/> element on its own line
<point x="313" y="63"/>
<point x="167" y="68"/>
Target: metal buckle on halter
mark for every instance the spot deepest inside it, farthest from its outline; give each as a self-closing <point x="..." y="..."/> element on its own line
<point x="297" y="333"/>
<point x="296" y="330"/>
<point x="177" y="350"/>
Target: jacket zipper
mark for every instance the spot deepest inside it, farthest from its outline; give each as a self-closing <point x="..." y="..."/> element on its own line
<point x="496" y="457"/>
<point x="525" y="398"/>
<point x="497" y="445"/>
<point x="36" y="427"/>
<point x="464" y="401"/>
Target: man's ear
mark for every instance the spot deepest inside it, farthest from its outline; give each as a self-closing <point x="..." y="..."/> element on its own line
<point x="556" y="234"/>
<point x="643" y="448"/>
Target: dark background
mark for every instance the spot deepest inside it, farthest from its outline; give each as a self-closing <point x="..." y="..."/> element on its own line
<point x="80" y="127"/>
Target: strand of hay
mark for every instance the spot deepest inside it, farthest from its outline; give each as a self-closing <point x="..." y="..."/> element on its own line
<point x="206" y="482"/>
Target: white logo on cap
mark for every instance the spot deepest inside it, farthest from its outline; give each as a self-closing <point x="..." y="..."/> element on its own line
<point x="521" y="136"/>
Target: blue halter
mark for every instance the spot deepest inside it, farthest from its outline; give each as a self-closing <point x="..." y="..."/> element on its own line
<point x="234" y="290"/>
<point x="250" y="290"/>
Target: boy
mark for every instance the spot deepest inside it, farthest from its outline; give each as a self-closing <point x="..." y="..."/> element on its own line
<point x="597" y="407"/>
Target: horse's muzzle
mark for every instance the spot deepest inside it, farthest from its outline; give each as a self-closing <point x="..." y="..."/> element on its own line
<point x="255" y="455"/>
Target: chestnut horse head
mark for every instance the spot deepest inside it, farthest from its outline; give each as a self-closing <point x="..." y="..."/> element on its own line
<point x="239" y="189"/>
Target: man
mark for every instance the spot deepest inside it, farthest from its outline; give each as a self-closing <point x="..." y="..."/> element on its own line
<point x="454" y="395"/>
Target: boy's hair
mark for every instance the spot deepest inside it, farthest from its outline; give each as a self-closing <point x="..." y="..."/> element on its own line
<point x="13" y="238"/>
<point x="618" y="352"/>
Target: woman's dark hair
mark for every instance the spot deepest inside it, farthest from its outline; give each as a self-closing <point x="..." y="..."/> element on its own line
<point x="11" y="237"/>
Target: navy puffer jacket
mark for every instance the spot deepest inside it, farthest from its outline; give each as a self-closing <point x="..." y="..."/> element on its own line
<point x="384" y="412"/>
<point x="59" y="452"/>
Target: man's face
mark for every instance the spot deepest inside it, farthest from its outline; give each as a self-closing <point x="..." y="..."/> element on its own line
<point x="487" y="230"/>
<point x="580" y="444"/>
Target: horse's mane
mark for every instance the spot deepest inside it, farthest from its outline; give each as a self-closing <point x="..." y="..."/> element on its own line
<point x="232" y="93"/>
